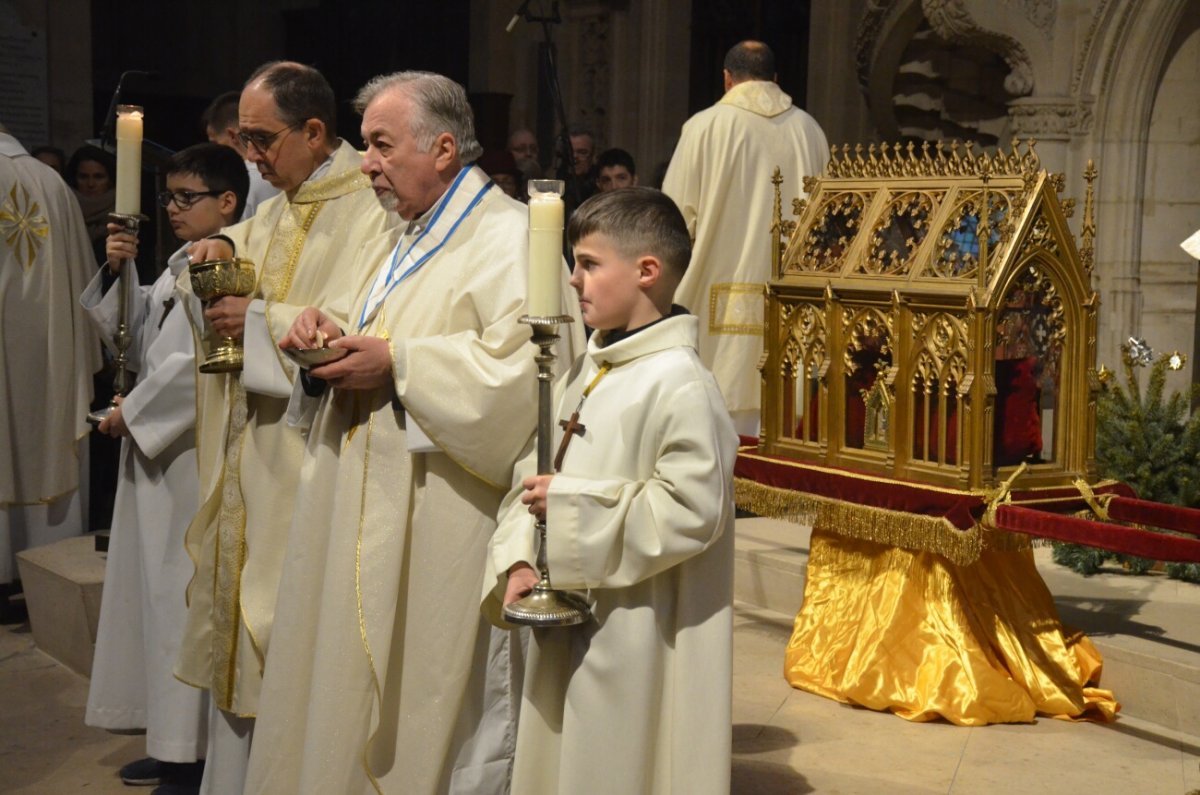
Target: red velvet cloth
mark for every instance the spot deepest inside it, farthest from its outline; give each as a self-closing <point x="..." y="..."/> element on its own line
<point x="1155" y="514"/>
<point x="1116" y="538"/>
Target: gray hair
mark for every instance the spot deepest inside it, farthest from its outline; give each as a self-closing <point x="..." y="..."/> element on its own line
<point x="441" y="107"/>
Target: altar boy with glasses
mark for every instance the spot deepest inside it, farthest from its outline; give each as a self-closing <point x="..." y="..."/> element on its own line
<point x="143" y="605"/>
<point x="640" y="515"/>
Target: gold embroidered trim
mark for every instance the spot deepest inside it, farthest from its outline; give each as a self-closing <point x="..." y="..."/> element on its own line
<point x="332" y="187"/>
<point x="358" y="593"/>
<point x="864" y="522"/>
<point x="716" y="324"/>
<point x="230" y="555"/>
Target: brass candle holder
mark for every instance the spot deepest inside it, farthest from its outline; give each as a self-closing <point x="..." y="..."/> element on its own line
<point x="122" y="339"/>
<point x="545" y="606"/>
<point x="215" y="279"/>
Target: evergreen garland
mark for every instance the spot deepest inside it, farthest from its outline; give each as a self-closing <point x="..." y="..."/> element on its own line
<point x="1154" y="446"/>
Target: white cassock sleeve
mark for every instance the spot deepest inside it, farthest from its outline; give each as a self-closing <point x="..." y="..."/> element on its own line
<point x="265" y="369"/>
<point x="616" y="532"/>
<point x="102" y="309"/>
<point x="162" y="406"/>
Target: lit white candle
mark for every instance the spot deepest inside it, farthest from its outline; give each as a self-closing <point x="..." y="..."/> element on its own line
<point x="129" y="160"/>
<point x="545" y="248"/>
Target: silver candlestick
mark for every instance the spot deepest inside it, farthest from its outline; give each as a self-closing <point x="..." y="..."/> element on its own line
<point x="545" y="606"/>
<point x="122" y="339"/>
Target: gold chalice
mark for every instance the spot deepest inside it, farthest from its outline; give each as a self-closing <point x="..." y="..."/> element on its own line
<point x="215" y="279"/>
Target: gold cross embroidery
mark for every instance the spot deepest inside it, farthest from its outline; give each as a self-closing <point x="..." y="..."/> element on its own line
<point x="22" y="226"/>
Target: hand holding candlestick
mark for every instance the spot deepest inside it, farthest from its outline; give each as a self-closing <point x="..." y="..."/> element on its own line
<point x="545" y="606"/>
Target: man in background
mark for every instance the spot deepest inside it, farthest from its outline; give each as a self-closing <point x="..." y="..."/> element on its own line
<point x="720" y="176"/>
<point x="221" y="126"/>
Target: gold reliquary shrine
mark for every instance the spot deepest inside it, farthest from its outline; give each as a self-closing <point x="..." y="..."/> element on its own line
<point x="932" y="318"/>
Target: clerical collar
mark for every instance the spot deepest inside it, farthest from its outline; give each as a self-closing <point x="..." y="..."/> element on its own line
<point x="417" y="225"/>
<point x="323" y="169"/>
<point x="616" y="335"/>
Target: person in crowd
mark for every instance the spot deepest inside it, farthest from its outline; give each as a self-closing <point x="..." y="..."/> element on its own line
<point x="220" y="121"/>
<point x="502" y="168"/>
<point x="615" y="169"/>
<point x="51" y="156"/>
<point x="92" y="172"/>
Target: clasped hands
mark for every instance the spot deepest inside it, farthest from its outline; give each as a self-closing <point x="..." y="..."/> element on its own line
<point x="367" y="365"/>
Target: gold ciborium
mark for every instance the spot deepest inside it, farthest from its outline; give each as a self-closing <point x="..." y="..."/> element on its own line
<point x="218" y="278"/>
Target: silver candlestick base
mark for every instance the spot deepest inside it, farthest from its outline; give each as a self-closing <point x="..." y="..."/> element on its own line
<point x="546" y="606"/>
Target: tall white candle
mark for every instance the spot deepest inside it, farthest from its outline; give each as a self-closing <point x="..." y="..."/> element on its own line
<point x="545" y="250"/>
<point x="129" y="159"/>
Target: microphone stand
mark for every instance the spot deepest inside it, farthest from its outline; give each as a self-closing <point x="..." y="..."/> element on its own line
<point x="573" y="196"/>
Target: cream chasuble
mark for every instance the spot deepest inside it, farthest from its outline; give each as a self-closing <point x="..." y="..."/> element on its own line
<point x="376" y="680"/>
<point x="720" y="176"/>
<point x="638" y="699"/>
<point x="249" y="457"/>
<point x="48" y="351"/>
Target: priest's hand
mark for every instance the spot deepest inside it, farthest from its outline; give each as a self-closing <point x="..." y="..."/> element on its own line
<point x="368" y="365"/>
<point x="210" y="248"/>
<point x="303" y="333"/>
<point x="228" y="316"/>
<point x="535" y="494"/>
<point x="114" y="424"/>
<point x="521" y="579"/>
<point x="119" y="246"/>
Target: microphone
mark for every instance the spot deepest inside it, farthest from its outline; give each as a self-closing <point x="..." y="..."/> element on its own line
<point x="512" y="23"/>
<point x="110" y="118"/>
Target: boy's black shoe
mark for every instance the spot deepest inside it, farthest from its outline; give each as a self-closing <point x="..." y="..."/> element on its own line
<point x="150" y="772"/>
<point x="143" y="773"/>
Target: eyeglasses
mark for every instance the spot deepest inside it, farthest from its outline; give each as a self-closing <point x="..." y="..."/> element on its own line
<point x="184" y="199"/>
<point x="261" y="142"/>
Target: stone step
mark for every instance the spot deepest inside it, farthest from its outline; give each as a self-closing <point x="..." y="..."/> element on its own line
<point x="62" y="583"/>
<point x="1146" y="627"/>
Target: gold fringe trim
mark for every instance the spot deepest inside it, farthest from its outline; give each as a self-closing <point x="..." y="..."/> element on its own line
<point x="867" y="523"/>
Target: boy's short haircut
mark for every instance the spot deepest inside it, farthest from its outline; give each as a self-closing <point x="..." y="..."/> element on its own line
<point x="219" y="167"/>
<point x="616" y="157"/>
<point x="638" y="221"/>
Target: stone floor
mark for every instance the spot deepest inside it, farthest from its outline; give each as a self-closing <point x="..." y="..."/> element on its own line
<point x="787" y="741"/>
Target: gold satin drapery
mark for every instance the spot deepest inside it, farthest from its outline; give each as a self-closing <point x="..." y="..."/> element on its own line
<point x="911" y="632"/>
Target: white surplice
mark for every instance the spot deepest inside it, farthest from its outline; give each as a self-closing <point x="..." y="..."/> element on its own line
<point x="378" y="678"/>
<point x="143" y="608"/>
<point x="48" y="352"/>
<point x="720" y="176"/>
<point x="638" y="699"/>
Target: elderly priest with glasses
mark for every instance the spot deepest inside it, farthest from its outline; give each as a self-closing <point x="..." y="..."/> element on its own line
<point x="302" y="244"/>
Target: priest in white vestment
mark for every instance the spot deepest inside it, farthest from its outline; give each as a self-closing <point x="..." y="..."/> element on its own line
<point x="48" y="352"/>
<point x="720" y="176"/>
<point x="302" y="242"/>
<point x="147" y="571"/>
<point x="383" y="676"/>
<point x="637" y="699"/>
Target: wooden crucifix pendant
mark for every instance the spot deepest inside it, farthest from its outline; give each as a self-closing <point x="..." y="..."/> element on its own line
<point x="571" y="427"/>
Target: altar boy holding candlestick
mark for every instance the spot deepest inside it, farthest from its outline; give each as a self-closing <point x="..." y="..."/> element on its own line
<point x="640" y="515"/>
<point x="143" y="608"/>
